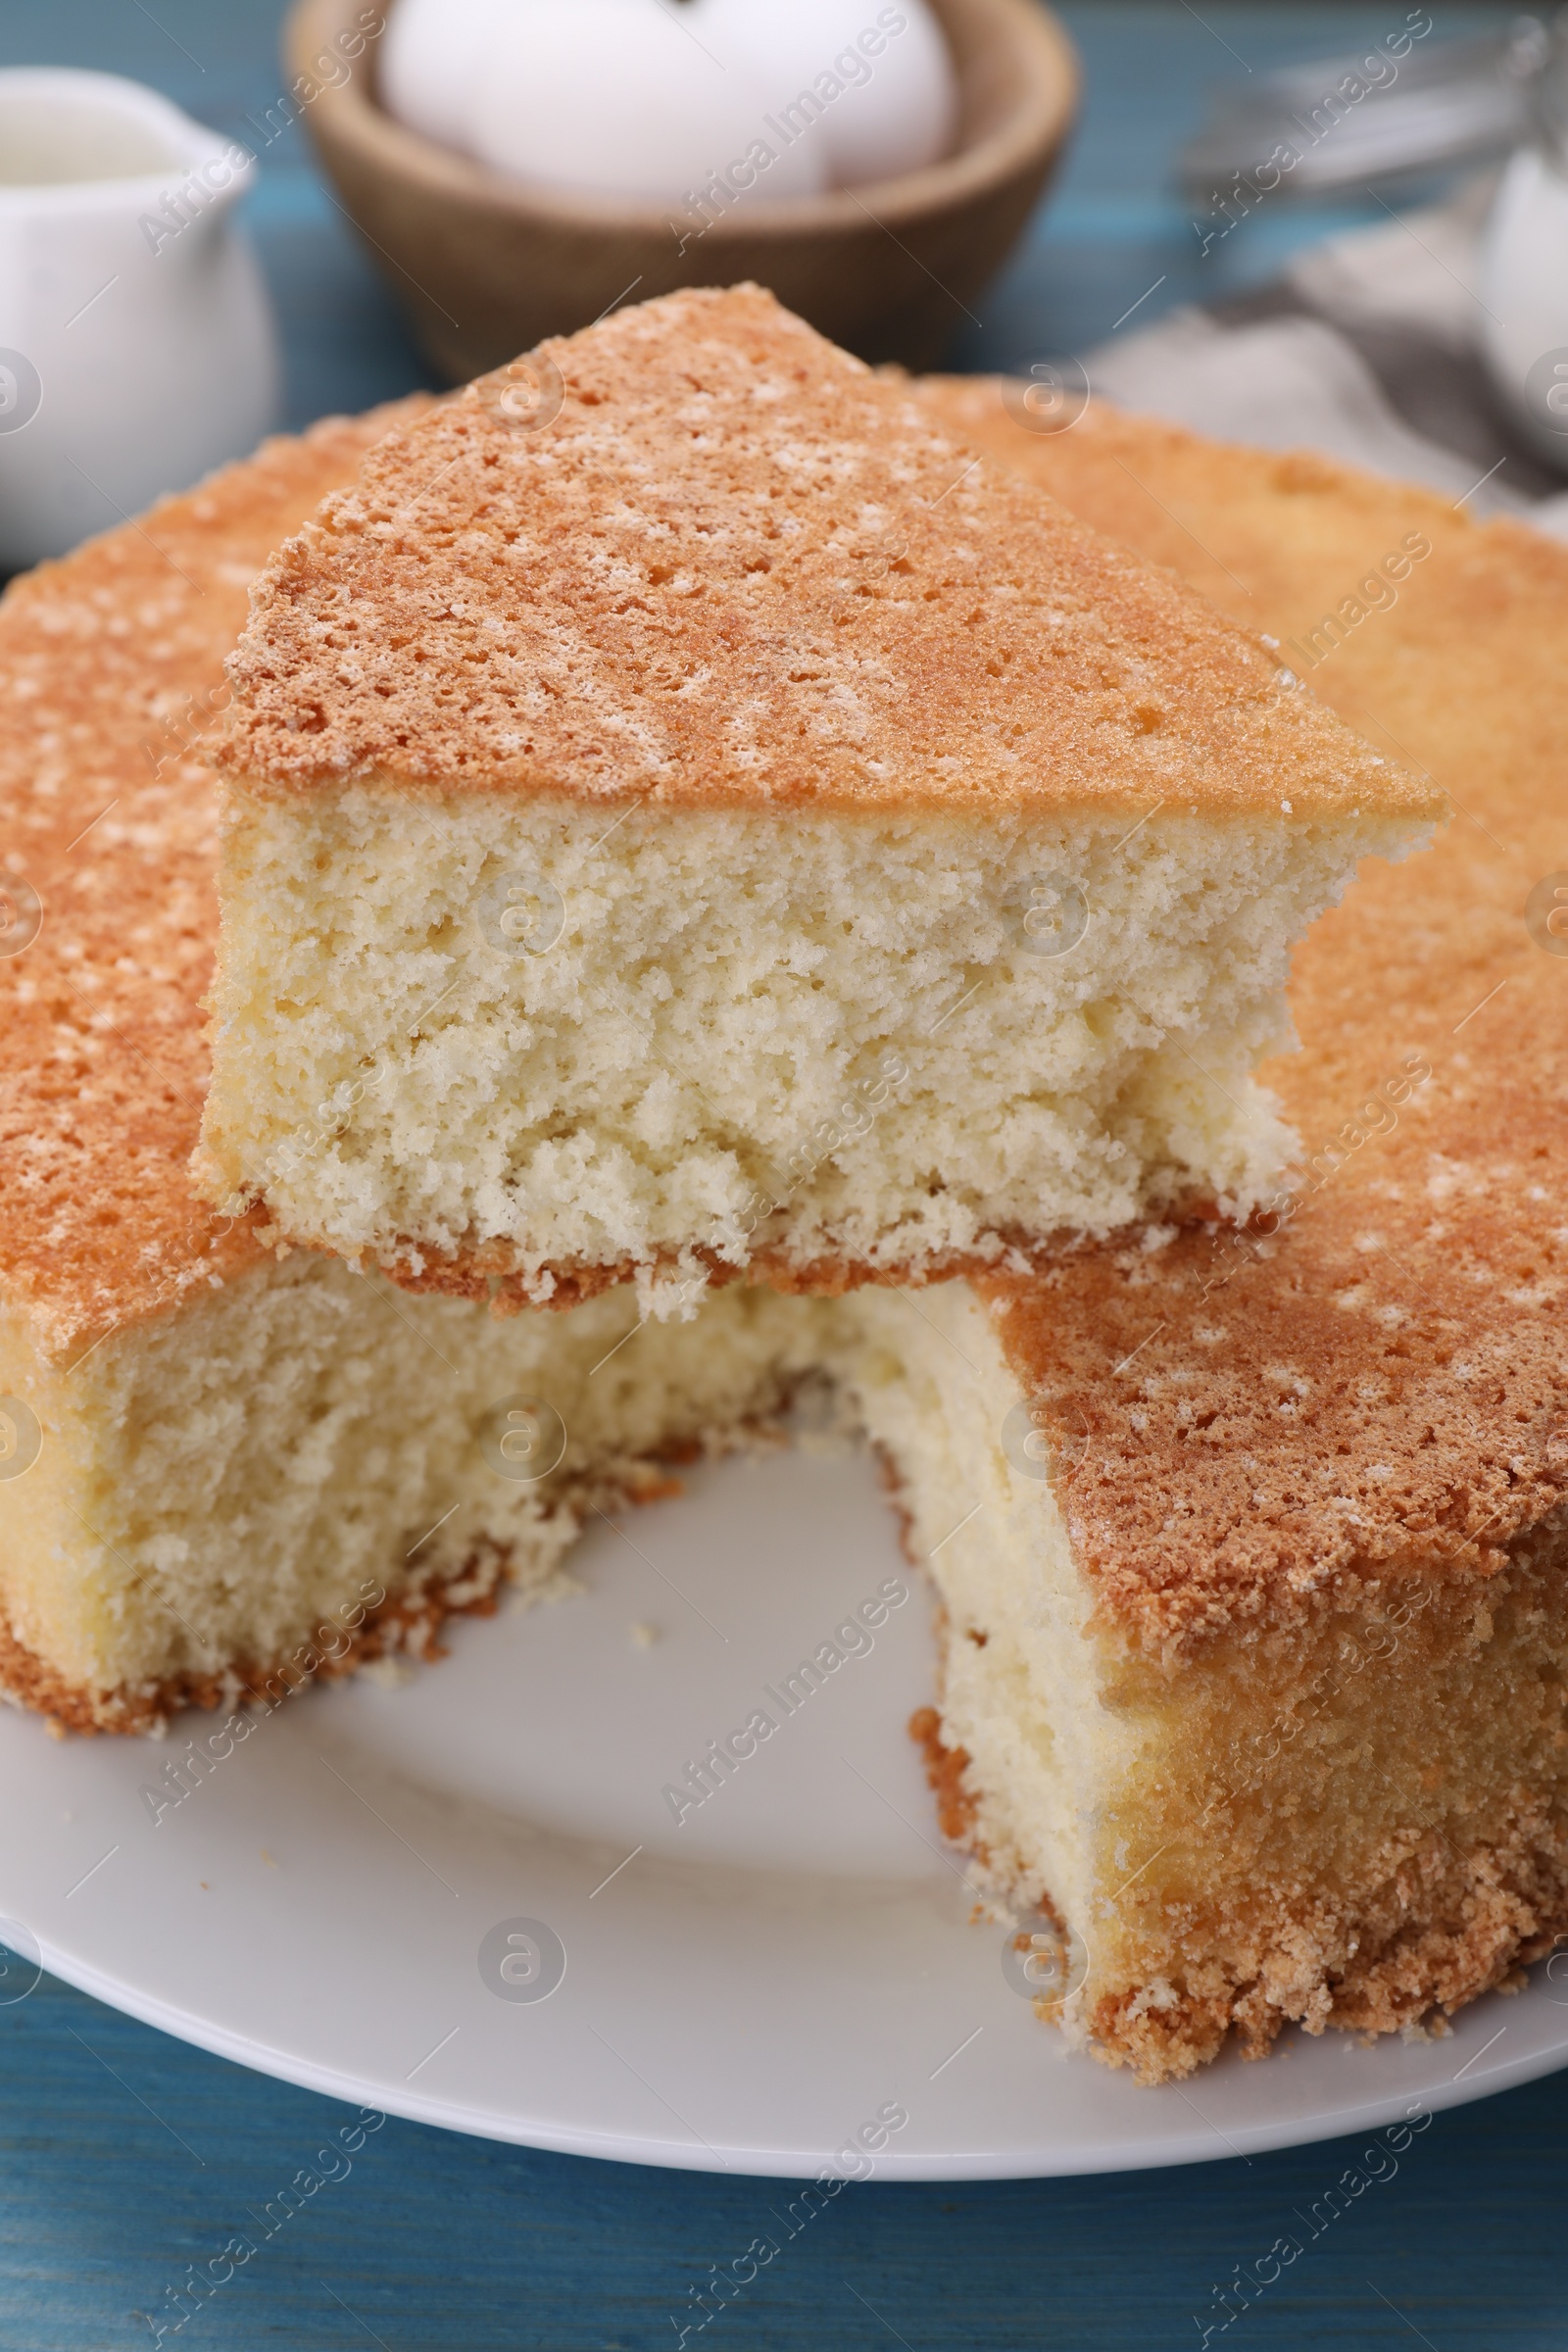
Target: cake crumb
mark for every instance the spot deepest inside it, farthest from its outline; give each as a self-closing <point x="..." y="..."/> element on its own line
<point x="389" y="1673"/>
<point x="644" y="1636"/>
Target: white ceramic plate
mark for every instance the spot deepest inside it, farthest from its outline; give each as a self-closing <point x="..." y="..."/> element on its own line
<point x="744" y="1994"/>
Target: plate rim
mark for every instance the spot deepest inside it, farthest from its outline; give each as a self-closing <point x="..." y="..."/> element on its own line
<point x="891" y="2166"/>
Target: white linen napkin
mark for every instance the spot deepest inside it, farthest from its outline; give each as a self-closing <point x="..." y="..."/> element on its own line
<point x="1366" y="349"/>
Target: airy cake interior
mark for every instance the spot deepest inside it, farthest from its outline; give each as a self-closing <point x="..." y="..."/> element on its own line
<point x="539" y="1036"/>
<point x="209" y="1488"/>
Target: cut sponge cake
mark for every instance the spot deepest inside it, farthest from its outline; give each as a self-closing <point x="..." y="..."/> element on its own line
<point x="716" y="822"/>
<point x="1250" y="1547"/>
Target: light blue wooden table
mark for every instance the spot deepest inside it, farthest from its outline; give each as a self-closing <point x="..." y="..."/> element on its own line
<point x="124" y="2155"/>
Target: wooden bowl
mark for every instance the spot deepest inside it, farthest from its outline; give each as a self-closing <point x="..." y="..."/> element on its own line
<point x="486" y="265"/>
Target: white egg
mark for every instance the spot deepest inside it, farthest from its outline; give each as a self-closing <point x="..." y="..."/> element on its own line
<point x="658" y="99"/>
<point x="873" y="78"/>
<point x="630" y="98"/>
<point x="430" y="63"/>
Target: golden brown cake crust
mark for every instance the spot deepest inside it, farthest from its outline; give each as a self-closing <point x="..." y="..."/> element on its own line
<point x="739" y="570"/>
<point x="111" y="670"/>
<point x="1382" y="1388"/>
<point x="490" y="1276"/>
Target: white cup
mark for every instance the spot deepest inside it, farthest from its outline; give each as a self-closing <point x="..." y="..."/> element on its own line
<point x="136" y="341"/>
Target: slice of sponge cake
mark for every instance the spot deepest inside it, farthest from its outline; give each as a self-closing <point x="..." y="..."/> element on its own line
<point x="682" y="810"/>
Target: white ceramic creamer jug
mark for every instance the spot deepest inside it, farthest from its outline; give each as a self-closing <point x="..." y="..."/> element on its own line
<point x="136" y="341"/>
